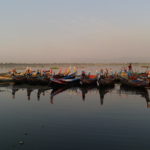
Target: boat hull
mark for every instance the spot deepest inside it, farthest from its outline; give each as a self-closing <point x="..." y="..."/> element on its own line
<point x="105" y="82"/>
<point x="63" y="82"/>
<point x="134" y="83"/>
<point x="86" y="82"/>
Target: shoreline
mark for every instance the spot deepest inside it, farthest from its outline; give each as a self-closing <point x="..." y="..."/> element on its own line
<point x="109" y="63"/>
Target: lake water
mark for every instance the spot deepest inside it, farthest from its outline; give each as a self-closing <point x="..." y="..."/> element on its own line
<point x="76" y="118"/>
<point x="41" y="118"/>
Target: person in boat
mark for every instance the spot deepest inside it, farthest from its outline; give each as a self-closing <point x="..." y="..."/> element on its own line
<point x="30" y="72"/>
<point x="44" y="73"/>
<point x="116" y="74"/>
<point x="41" y="72"/>
<point x="125" y="69"/>
<point x="106" y="72"/>
<point x="89" y="73"/>
<point x="51" y="71"/>
<point x="13" y="72"/>
<point x="102" y="76"/>
<point x="38" y="72"/>
<point x="130" y="67"/>
<point x="97" y="74"/>
<point x="75" y="69"/>
<point x="83" y="75"/>
<point x="60" y="71"/>
<point x="67" y="71"/>
<point x="27" y="72"/>
<point x="111" y="73"/>
<point x="130" y="72"/>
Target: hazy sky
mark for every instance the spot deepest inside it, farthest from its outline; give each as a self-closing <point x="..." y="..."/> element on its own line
<point x="74" y="30"/>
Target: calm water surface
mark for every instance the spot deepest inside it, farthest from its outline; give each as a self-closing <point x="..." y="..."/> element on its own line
<point x="75" y="118"/>
<point x="41" y="118"/>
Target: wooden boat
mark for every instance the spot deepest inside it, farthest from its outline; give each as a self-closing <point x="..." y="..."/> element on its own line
<point x="88" y="80"/>
<point x="45" y="81"/>
<point x="19" y="79"/>
<point x="6" y="79"/>
<point x="38" y="80"/>
<point x="105" y="82"/>
<point x="31" y="79"/>
<point x="137" y="83"/>
<point x="63" y="82"/>
<point x="59" y="76"/>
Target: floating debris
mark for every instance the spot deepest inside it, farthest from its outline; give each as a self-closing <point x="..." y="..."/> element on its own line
<point x="21" y="142"/>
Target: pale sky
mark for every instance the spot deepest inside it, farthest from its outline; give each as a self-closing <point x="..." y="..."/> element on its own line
<point x="46" y="31"/>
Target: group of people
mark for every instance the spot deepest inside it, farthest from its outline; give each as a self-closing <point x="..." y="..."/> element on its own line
<point x="30" y="72"/>
<point x="103" y="73"/>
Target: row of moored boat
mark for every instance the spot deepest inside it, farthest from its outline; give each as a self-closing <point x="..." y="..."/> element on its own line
<point x="100" y="79"/>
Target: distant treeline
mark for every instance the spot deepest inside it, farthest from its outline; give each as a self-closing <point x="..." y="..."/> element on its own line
<point x="5" y="67"/>
<point x="66" y="64"/>
<point x="58" y="65"/>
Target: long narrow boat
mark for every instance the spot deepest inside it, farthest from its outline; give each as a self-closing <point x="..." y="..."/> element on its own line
<point x="19" y="79"/>
<point x="6" y="79"/>
<point x="38" y="80"/>
<point x="88" y="80"/>
<point x="63" y="82"/>
<point x="137" y="83"/>
<point x="105" y="82"/>
<point x="67" y="76"/>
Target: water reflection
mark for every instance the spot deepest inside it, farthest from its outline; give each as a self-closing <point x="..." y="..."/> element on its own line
<point x="82" y="91"/>
<point x="29" y="89"/>
<point x="85" y="90"/>
<point x="103" y="91"/>
<point x="135" y="91"/>
<point x="56" y="91"/>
